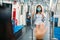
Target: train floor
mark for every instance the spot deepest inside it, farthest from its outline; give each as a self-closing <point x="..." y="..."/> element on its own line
<point x="28" y="35"/>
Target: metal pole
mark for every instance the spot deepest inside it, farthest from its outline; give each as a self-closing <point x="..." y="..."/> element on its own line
<point x="50" y="21"/>
<point x="31" y="25"/>
<point x="31" y="22"/>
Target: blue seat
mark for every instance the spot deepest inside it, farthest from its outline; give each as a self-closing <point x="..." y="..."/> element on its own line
<point x="17" y="28"/>
<point x="57" y="32"/>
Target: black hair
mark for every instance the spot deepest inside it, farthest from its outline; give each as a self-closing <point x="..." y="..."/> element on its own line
<point x="37" y="10"/>
<point x="52" y="13"/>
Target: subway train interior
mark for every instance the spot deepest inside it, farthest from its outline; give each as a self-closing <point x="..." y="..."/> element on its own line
<point x="17" y="19"/>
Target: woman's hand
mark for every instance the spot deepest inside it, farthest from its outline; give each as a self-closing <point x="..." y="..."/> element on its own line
<point x="40" y="32"/>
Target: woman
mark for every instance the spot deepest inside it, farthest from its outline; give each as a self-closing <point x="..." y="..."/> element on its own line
<point x="39" y="22"/>
<point x="39" y="16"/>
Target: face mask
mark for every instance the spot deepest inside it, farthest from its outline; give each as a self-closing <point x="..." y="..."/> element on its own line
<point x="39" y="9"/>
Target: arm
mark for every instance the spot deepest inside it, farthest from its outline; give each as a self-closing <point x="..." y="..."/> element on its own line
<point x="43" y="17"/>
<point x="43" y="14"/>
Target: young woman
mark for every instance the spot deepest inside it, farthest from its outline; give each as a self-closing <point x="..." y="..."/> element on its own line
<point x="39" y="22"/>
<point x="39" y="16"/>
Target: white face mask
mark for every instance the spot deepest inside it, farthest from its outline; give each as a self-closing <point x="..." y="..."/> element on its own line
<point x="38" y="9"/>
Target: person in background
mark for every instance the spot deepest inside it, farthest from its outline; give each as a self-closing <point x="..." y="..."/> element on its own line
<point x="28" y="19"/>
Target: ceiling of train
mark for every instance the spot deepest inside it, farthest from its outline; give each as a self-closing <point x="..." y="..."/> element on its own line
<point x="45" y="3"/>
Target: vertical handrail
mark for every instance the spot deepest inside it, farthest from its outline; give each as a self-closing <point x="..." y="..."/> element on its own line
<point x="31" y="19"/>
<point x="49" y="17"/>
<point x="31" y="23"/>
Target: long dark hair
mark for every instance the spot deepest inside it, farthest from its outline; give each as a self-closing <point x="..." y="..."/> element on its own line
<point x="37" y="10"/>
